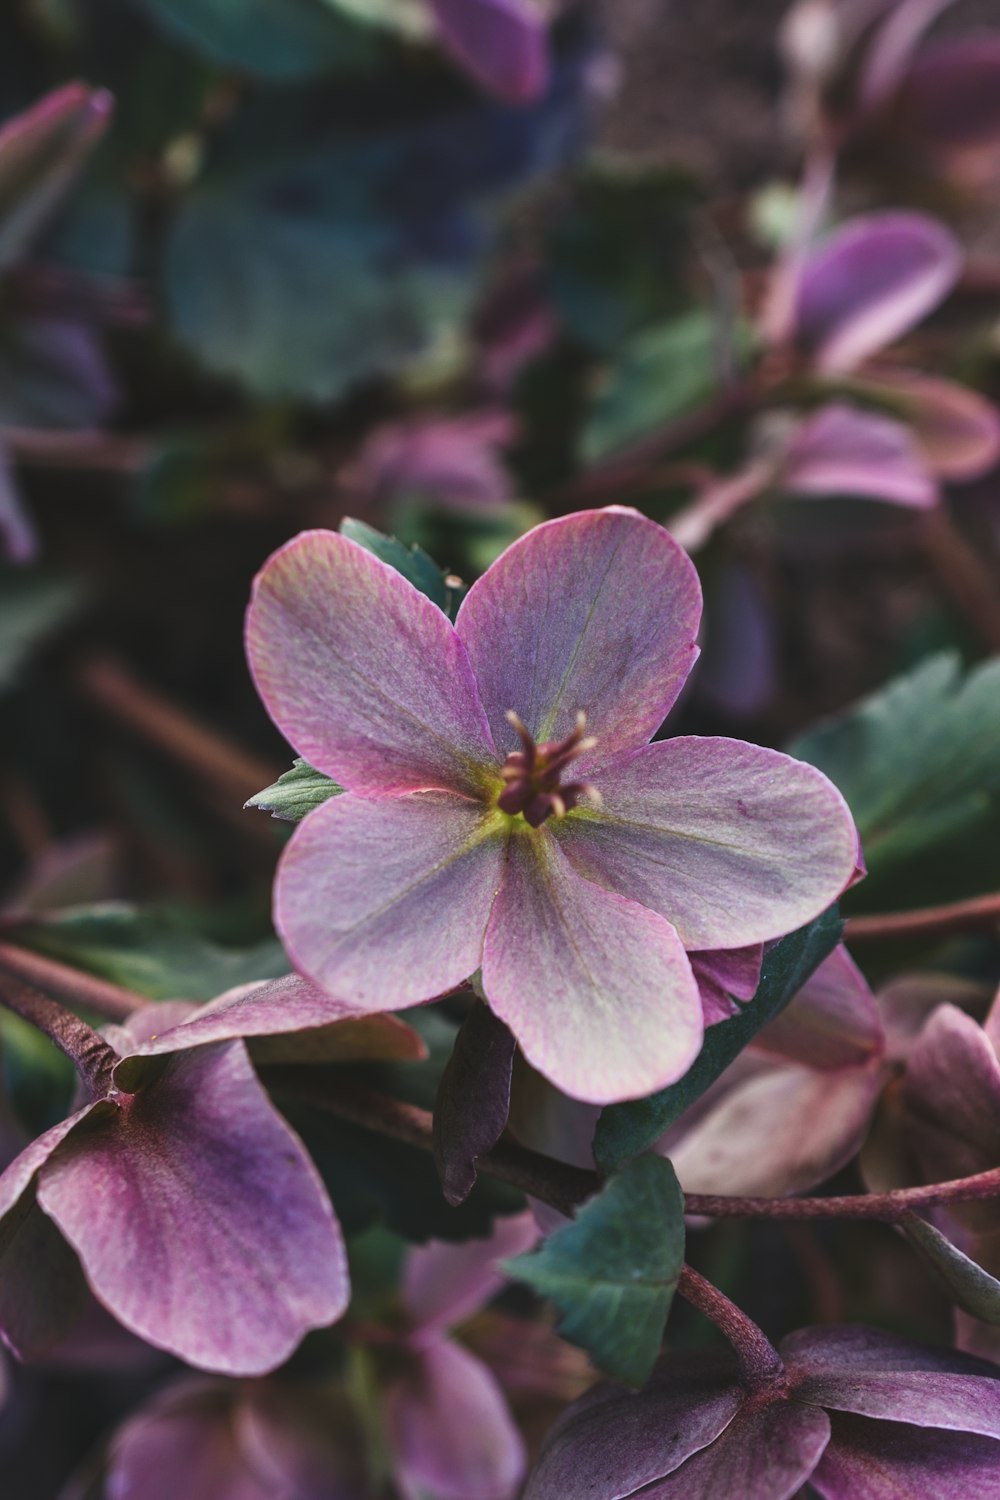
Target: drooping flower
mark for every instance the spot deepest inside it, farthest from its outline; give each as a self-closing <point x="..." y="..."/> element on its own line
<point x="505" y="809"/>
<point x="855" y="1413"/>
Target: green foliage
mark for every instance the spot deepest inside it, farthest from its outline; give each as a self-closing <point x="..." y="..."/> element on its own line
<point x="613" y="1271"/>
<point x="32" y="606"/>
<point x="919" y="765"/>
<point x="971" y="1288"/>
<point x="412" y="562"/>
<point x="154" y="952"/>
<point x="625" y="1130"/>
<point x="295" y="793"/>
<point x="277" y="39"/>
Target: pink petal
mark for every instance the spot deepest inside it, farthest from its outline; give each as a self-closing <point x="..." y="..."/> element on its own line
<point x="303" y="1439"/>
<point x="184" y="1444"/>
<point x="597" y="990"/>
<point x="765" y="1453"/>
<point x="444" y="1283"/>
<point x="596" y="612"/>
<point x="957" y="431"/>
<point x="452" y="461"/>
<point x="833" y="1022"/>
<point x="952" y="95"/>
<point x="502" y="43"/>
<point x="385" y="903"/>
<point x="841" y="450"/>
<point x="200" y="1220"/>
<point x="870" y="1461"/>
<point x="451" y="1430"/>
<point x="873" y="280"/>
<point x="17" y="533"/>
<point x="723" y="973"/>
<point x="362" y="674"/>
<point x="732" y="843"/>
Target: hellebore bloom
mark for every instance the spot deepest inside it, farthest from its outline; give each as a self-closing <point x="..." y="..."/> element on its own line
<point x="856" y="1414"/>
<point x="505" y="809"/>
<point x="197" y="1215"/>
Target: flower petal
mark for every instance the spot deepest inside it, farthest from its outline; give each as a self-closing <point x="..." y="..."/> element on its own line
<point x="186" y="1444"/>
<point x="833" y="1022"/>
<point x="445" y="1282"/>
<point x="873" y="1461"/>
<point x="200" y="1220"/>
<point x="596" y="612"/>
<point x="385" y="903"/>
<point x="363" y="675"/>
<point x="451" y="1429"/>
<point x="502" y="43"/>
<point x="952" y="94"/>
<point x="597" y="990"/>
<point x="732" y="843"/>
<point x="872" y="281"/>
<point x="724" y="973"/>
<point x="842" y="451"/>
<point x="957" y="431"/>
<point x="765" y="1453"/>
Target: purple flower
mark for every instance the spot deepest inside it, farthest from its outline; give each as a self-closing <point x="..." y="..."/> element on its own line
<point x="504" y="808"/>
<point x="501" y="43"/>
<point x="856" y="1413"/>
<point x="451" y="461"/>
<point x="198" y="1217"/>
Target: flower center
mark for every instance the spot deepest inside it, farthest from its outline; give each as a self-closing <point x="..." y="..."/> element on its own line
<point x="533" y="775"/>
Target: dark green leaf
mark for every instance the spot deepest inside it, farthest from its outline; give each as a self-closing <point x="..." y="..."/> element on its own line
<point x="613" y="1271"/>
<point x="32" y="606"/>
<point x="625" y="1130"/>
<point x="274" y="38"/>
<point x="414" y="564"/>
<point x="295" y="793"/>
<point x="971" y="1288"/>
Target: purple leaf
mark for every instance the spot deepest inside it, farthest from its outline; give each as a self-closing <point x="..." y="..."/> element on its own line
<point x="502" y="43"/>
<point x="473" y="1100"/>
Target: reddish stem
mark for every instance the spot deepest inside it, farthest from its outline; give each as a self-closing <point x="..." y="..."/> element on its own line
<point x="70" y="985"/>
<point x="91" y="1054"/>
<point x="928" y="921"/>
<point x="760" y="1362"/>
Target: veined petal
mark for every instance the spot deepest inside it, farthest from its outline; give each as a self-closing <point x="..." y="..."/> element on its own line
<point x="385" y="903"/>
<point x="724" y="976"/>
<point x="868" y="1460"/>
<point x="502" y="43"/>
<point x="596" y="612"/>
<point x="200" y="1220"/>
<point x="363" y="675"/>
<point x="872" y="281"/>
<point x="732" y="843"/>
<point x="446" y="1282"/>
<point x="597" y="990"/>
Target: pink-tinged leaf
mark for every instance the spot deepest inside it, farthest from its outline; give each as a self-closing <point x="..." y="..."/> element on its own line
<point x="775" y="1128"/>
<point x="596" y="612"/>
<point x="732" y="843"/>
<point x="957" y="431"/>
<point x="951" y="98"/>
<point x="833" y="1022"/>
<point x="326" y="1029"/>
<point x="501" y="43"/>
<point x="184" y="1444"/>
<point x="363" y="675"/>
<point x="450" y="1429"/>
<point x="611" y="1444"/>
<point x="17" y="534"/>
<point x="385" y="903"/>
<point x="841" y="450"/>
<point x="41" y="152"/>
<point x="454" y="461"/>
<point x="199" y="1218"/>
<point x="766" y="1453"/>
<point x="723" y="974"/>
<point x="597" y="990"/>
<point x="872" y="281"/>
<point x="872" y="1461"/>
<point x="472" y="1101"/>
<point x="445" y="1282"/>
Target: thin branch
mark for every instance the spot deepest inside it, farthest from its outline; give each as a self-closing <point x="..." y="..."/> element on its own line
<point x="92" y="1056"/>
<point x="760" y="1362"/>
<point x="82" y="991"/>
<point x="887" y="1208"/>
<point x="969" y="582"/>
<point x="927" y="922"/>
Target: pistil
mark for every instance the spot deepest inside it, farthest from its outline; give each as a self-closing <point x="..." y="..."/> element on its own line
<point x="532" y="775"/>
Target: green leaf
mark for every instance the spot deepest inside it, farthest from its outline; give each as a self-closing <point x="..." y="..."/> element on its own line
<point x="277" y="39"/>
<point x="919" y="765"/>
<point x="613" y="1271"/>
<point x="32" y="606"/>
<point x="409" y="18"/>
<point x="658" y="375"/>
<point x="971" y="1288"/>
<point x="625" y="1130"/>
<point x="412" y="562"/>
<point x="295" y="793"/>
<point x="151" y="951"/>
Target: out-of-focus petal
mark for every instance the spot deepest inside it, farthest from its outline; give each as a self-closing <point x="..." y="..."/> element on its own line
<point x="841" y="450"/>
<point x="951" y="98"/>
<point x="445" y="1282"/>
<point x="453" y="462"/>
<point x="732" y="843"/>
<point x="873" y="280"/>
<point x="17" y="534"/>
<point x="597" y="989"/>
<point x="184" y="1444"/>
<point x="451" y="1430"/>
<point x="957" y="431"/>
<point x="502" y="43"/>
<point x="363" y="675"/>
<point x="868" y="1460"/>
<point x="833" y="1022"/>
<point x="595" y="612"/>
<point x="303" y="1439"/>
<point x="200" y="1220"/>
<point x="385" y="903"/>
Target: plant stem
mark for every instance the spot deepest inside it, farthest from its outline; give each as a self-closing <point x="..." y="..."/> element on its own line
<point x="885" y="1207"/>
<point x="85" y="991"/>
<point x="760" y="1362"/>
<point x="969" y="581"/>
<point x="928" y="921"/>
<point x="90" y="1053"/>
